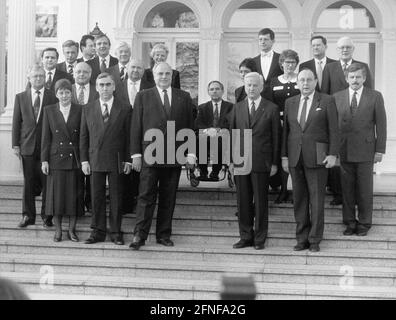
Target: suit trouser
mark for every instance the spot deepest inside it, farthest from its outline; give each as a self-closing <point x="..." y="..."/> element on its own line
<point x="252" y="196"/>
<point x="87" y="192"/>
<point x="334" y="182"/>
<point x="309" y="188"/>
<point x="216" y="168"/>
<point x="33" y="178"/>
<point x="130" y="191"/>
<point x="357" y="187"/>
<point x="98" y="191"/>
<point x="161" y="181"/>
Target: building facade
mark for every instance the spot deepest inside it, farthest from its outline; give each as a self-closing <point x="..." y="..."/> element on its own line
<point x="207" y="40"/>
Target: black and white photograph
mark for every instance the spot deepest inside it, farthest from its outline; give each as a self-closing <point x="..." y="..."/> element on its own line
<point x="192" y="152"/>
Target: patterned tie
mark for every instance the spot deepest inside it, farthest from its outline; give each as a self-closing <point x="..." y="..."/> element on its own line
<point x="105" y="114"/>
<point x="344" y="67"/>
<point x="354" y="104"/>
<point x="167" y="104"/>
<point x="81" y="95"/>
<point x="49" y="81"/>
<point x="303" y="117"/>
<point x="252" y="112"/>
<point x="216" y="116"/>
<point x="122" y="73"/>
<point x="36" y="105"/>
<point x="71" y="69"/>
<point x="320" y="73"/>
<point x="132" y="93"/>
<point x="103" y="66"/>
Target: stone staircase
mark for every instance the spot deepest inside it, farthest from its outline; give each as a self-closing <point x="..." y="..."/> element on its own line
<point x="205" y="228"/>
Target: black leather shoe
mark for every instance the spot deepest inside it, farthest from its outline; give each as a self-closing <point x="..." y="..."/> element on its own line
<point x="336" y="202"/>
<point x="25" y="222"/>
<point x="314" y="247"/>
<point x="282" y="198"/>
<point x="349" y="231"/>
<point x="301" y="246"/>
<point x="361" y="232"/>
<point x="47" y="223"/>
<point x="166" y="242"/>
<point x="58" y="237"/>
<point x="71" y="235"/>
<point x="259" y="246"/>
<point x="137" y="242"/>
<point x="93" y="239"/>
<point x="243" y="244"/>
<point x="119" y="240"/>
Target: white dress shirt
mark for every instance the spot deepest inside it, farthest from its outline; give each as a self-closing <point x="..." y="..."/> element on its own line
<point x="132" y="93"/>
<point x="107" y="61"/>
<point x="65" y="111"/>
<point x="266" y="60"/>
<point x="348" y="64"/>
<point x="358" y="95"/>
<point x="109" y="105"/>
<point x="168" y="91"/>
<point x="256" y="104"/>
<point x="309" y="104"/>
<point x="218" y="106"/>
<point x="34" y="95"/>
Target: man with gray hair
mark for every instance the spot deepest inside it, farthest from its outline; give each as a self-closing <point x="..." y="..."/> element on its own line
<point x="26" y="142"/>
<point x="159" y="54"/>
<point x="261" y="118"/>
<point x="120" y="71"/>
<point x="70" y="51"/>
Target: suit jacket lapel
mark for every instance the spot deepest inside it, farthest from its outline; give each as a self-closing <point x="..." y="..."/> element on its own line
<point x="61" y="120"/>
<point x="98" y="119"/>
<point x="72" y="116"/>
<point x="114" y="113"/>
<point x="314" y="106"/>
<point x="29" y="103"/>
<point x="245" y="112"/>
<point x="293" y="116"/>
<point x="161" y="108"/>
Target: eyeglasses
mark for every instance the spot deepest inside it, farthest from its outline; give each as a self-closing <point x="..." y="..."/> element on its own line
<point x="290" y="62"/>
<point x="345" y="48"/>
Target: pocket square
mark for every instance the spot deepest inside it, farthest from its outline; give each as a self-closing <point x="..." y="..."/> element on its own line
<point x="318" y="109"/>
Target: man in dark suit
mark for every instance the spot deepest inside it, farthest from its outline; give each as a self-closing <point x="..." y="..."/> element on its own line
<point x="267" y="62"/>
<point x="83" y="93"/>
<point x="159" y="54"/>
<point x="103" y="60"/>
<point x="26" y="142"/>
<point x="87" y="47"/>
<point x="212" y="116"/>
<point x="310" y="126"/>
<point x="319" y="61"/>
<point x="104" y="152"/>
<point x="70" y="51"/>
<point x="49" y="59"/>
<point x="260" y="117"/>
<point x="155" y="110"/>
<point x="362" y="125"/>
<point x="334" y="81"/>
<point x="120" y="70"/>
<point x="126" y="91"/>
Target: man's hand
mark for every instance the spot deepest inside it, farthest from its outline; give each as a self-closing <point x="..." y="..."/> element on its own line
<point x="45" y="168"/>
<point x="190" y="162"/>
<point x="137" y="164"/>
<point x="330" y="161"/>
<point x="285" y="165"/>
<point x="274" y="170"/>
<point x="17" y="151"/>
<point x="377" y="157"/>
<point x="86" y="168"/>
<point x="127" y="168"/>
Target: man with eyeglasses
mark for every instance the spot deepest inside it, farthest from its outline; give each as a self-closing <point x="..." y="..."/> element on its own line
<point x="334" y="80"/>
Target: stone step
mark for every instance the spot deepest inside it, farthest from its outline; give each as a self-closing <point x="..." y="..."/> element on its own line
<point x="125" y="267"/>
<point x="182" y="289"/>
<point x="219" y="252"/>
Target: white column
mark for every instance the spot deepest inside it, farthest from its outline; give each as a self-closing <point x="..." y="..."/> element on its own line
<point x="209" y="60"/>
<point x="300" y="43"/>
<point x="3" y="8"/>
<point x="21" y="54"/>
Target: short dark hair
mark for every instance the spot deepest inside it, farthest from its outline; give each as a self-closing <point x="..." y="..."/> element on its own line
<point x="265" y="31"/>
<point x="50" y="49"/>
<point x="324" y="40"/>
<point x="105" y="75"/>
<point x="83" y="41"/>
<point x="63" y="84"/>
<point x="70" y="43"/>
<point x="102" y="36"/>
<point x="288" y="54"/>
<point x="248" y="63"/>
<point x="307" y="69"/>
<point x="216" y="81"/>
<point x="356" y="67"/>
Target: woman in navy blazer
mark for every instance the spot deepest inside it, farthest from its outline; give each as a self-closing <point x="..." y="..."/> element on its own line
<point x="60" y="160"/>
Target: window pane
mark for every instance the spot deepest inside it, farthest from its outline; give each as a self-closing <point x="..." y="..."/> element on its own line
<point x="237" y="51"/>
<point x="252" y="15"/>
<point x="348" y="14"/>
<point x="171" y="14"/>
<point x="187" y="63"/>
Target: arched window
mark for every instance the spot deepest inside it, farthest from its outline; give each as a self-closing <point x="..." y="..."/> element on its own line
<point x="241" y="40"/>
<point x="177" y="26"/>
<point x="350" y="18"/>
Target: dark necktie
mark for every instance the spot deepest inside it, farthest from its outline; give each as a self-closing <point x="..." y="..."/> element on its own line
<point x="344" y="67"/>
<point x="103" y="66"/>
<point x="167" y="104"/>
<point x="303" y="117"/>
<point x="71" y="69"/>
<point x="252" y="112"/>
<point x="81" y="96"/>
<point x="354" y="104"/>
<point x="105" y="113"/>
<point x="122" y="73"/>
<point x="36" y="105"/>
<point x="49" y="81"/>
<point x="216" y="116"/>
